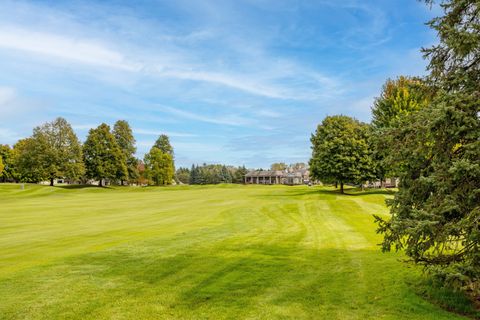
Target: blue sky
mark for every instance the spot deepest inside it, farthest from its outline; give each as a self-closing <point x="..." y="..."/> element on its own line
<point x="235" y="82"/>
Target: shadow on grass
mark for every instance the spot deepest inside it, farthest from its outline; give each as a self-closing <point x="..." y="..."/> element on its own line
<point x="294" y="192"/>
<point x="82" y="186"/>
<point x="234" y="280"/>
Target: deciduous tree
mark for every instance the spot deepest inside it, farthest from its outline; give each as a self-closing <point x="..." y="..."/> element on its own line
<point x="124" y="136"/>
<point x="102" y="155"/>
<point x="340" y="151"/>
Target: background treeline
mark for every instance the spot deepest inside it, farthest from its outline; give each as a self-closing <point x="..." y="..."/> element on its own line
<point x="426" y="132"/>
<point x="107" y="156"/>
<point x="211" y="174"/>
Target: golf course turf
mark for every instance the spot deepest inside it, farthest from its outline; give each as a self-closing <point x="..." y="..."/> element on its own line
<point x="201" y="252"/>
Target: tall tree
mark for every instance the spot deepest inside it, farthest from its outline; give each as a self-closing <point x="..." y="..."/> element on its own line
<point x="52" y="152"/>
<point x="340" y="151"/>
<point x="27" y="157"/>
<point x="9" y="172"/>
<point x="399" y="98"/>
<point x="163" y="143"/>
<point x="159" y="167"/>
<point x="102" y="155"/>
<point x="435" y="215"/>
<point x="124" y="136"/>
<point x="2" y="166"/>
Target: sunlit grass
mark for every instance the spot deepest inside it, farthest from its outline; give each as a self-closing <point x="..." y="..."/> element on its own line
<point x="214" y="252"/>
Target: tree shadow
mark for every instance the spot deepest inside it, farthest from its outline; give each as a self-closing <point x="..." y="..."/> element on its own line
<point x="82" y="186"/>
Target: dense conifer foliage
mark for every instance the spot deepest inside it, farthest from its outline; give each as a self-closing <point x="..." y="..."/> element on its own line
<point x="436" y="213"/>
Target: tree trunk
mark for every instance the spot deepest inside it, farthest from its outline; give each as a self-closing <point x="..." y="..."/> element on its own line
<point x="51" y="182"/>
<point x="100" y="182"/>
<point x="341" y="187"/>
<point x="336" y="184"/>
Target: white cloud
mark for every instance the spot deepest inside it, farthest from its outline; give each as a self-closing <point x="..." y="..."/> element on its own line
<point x="80" y="50"/>
<point x="231" y="120"/>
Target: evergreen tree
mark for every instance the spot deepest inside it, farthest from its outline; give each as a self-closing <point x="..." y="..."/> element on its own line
<point x="102" y="155"/>
<point x="341" y="151"/>
<point x="435" y="214"/>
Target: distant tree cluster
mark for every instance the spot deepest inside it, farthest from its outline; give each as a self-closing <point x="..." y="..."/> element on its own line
<point x="54" y="152"/>
<point x="212" y="174"/>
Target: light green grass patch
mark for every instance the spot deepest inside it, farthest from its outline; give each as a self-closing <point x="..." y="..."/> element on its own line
<point x="212" y="252"/>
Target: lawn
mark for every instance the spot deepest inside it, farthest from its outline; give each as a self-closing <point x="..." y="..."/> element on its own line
<point x="213" y="252"/>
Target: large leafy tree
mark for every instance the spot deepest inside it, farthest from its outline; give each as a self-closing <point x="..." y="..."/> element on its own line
<point x="159" y="167"/>
<point x="102" y="155"/>
<point x="126" y="141"/>
<point x="2" y="166"/>
<point x="27" y="155"/>
<point x="7" y="154"/>
<point x="399" y="98"/>
<point x="52" y="152"/>
<point x="340" y="151"/>
<point x="436" y="213"/>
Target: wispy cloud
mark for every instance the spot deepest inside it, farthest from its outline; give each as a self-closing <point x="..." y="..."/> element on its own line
<point x="230" y="120"/>
<point x="74" y="49"/>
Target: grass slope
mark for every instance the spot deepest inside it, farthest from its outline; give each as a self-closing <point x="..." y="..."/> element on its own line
<point x="219" y="252"/>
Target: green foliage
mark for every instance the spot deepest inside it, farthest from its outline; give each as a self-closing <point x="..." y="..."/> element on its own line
<point x="280" y="166"/>
<point x="8" y="158"/>
<point x="202" y="252"/>
<point x="126" y="141"/>
<point x="436" y="213"/>
<point x="216" y="173"/>
<point x="341" y="151"/>
<point x="398" y="99"/>
<point x="2" y="166"/>
<point x="102" y="155"/>
<point x="52" y="152"/>
<point x="159" y="167"/>
<point x="163" y="144"/>
<point x="182" y="175"/>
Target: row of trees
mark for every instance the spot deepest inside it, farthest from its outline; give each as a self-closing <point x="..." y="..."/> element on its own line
<point x="427" y="133"/>
<point x="211" y="174"/>
<point x="54" y="151"/>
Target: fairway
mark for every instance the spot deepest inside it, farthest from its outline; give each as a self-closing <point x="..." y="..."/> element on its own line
<point x="200" y="252"/>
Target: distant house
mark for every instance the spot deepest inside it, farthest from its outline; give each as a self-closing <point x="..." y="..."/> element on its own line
<point x="288" y="177"/>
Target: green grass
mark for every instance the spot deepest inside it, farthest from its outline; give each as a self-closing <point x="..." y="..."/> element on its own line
<point x="214" y="252"/>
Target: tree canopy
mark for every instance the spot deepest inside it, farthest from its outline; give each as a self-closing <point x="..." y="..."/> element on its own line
<point x="126" y="141"/>
<point x="340" y="151"/>
<point x="102" y="155"/>
<point x="435" y="215"/>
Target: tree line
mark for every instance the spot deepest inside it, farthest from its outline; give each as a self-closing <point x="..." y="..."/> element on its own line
<point x="426" y="132"/>
<point x="211" y="174"/>
<point x="53" y="151"/>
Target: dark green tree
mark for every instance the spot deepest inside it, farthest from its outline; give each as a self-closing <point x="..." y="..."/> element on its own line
<point x="126" y="141"/>
<point x="183" y="175"/>
<point x="340" y="151"/>
<point x="102" y="155"/>
<point x="435" y="215"/>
